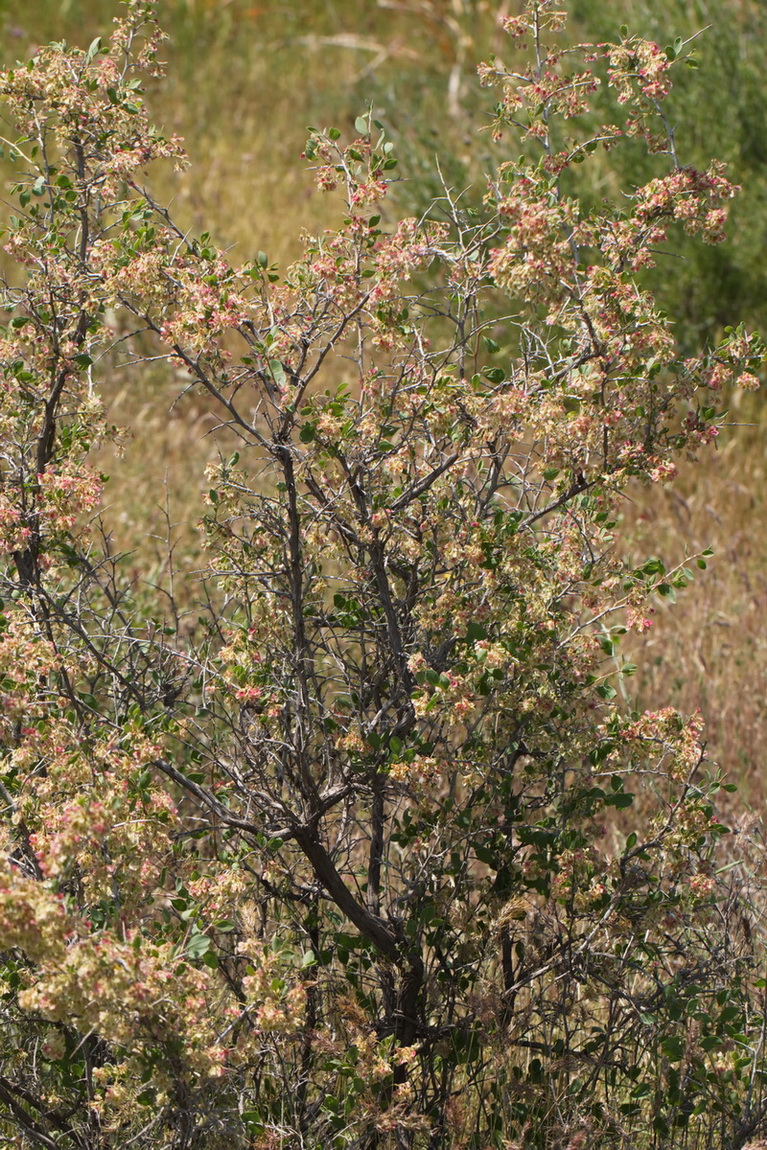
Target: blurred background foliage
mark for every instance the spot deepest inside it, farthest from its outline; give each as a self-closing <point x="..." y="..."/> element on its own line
<point x="244" y="81"/>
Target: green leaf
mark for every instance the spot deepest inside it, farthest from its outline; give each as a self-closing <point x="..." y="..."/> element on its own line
<point x="673" y="1048"/>
<point x="361" y="125"/>
<point x="252" y="1119"/>
<point x="198" y="946"/>
<point x="475" y="632"/>
<point x="620" y="801"/>
<point x="93" y="50"/>
<point x="278" y="372"/>
<point x="485" y="855"/>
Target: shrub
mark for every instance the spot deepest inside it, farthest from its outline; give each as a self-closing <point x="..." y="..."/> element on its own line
<point x="369" y="855"/>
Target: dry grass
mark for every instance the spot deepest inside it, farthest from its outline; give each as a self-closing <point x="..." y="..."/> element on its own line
<point x="245" y="79"/>
<point x="709" y="649"/>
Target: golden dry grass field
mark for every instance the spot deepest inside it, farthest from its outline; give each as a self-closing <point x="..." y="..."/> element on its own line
<point x="245" y="79"/>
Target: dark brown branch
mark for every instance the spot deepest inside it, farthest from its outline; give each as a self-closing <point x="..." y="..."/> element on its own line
<point x="370" y="925"/>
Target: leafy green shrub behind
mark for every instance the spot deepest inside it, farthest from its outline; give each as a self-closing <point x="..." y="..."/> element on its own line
<point x="720" y="108"/>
